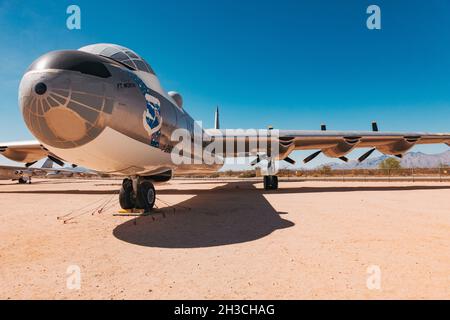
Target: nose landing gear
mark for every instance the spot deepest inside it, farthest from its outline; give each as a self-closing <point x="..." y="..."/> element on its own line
<point x="126" y="195"/>
<point x="137" y="193"/>
<point x="146" y="196"/>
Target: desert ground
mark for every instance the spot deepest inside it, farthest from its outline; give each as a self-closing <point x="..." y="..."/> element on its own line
<point x="218" y="239"/>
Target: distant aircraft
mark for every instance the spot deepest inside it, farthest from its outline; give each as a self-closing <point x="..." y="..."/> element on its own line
<point x="103" y="107"/>
<point x="23" y="175"/>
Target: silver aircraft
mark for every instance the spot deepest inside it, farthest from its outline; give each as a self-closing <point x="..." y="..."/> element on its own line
<point x="23" y="175"/>
<point x="103" y="107"/>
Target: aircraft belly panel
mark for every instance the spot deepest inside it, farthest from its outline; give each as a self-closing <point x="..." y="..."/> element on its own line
<point x="115" y="153"/>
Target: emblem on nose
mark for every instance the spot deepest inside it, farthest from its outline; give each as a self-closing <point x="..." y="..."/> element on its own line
<point x="40" y="88"/>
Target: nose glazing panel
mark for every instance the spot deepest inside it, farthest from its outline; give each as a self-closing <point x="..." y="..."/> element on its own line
<point x="70" y="112"/>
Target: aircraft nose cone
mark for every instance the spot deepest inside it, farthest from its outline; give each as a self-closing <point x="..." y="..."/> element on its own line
<point x="63" y="109"/>
<point x="40" y="88"/>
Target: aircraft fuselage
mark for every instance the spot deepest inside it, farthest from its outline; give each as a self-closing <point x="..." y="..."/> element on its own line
<point x="97" y="112"/>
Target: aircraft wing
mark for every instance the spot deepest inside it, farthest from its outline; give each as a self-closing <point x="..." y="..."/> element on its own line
<point x="304" y="140"/>
<point x="335" y="144"/>
<point x="25" y="152"/>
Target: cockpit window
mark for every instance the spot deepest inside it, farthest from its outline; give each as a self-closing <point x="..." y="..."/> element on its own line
<point x="74" y="61"/>
<point x="140" y="65"/>
<point x="120" y="54"/>
<point x="132" y="54"/>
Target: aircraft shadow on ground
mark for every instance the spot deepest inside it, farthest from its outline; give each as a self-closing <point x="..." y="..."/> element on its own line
<point x="230" y="214"/>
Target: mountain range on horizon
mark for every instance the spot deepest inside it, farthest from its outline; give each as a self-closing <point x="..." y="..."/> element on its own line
<point x="410" y="160"/>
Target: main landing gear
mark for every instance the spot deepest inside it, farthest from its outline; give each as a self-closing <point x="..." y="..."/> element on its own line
<point x="137" y="193"/>
<point x="24" y="180"/>
<point x="270" y="182"/>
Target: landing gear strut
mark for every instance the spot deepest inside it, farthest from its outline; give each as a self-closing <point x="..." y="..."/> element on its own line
<point x="270" y="182"/>
<point x="137" y="193"/>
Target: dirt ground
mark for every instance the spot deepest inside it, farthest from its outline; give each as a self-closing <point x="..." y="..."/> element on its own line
<point x="226" y="240"/>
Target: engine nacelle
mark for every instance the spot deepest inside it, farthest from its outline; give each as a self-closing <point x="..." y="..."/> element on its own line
<point x="23" y="173"/>
<point x="398" y="147"/>
<point x="342" y="148"/>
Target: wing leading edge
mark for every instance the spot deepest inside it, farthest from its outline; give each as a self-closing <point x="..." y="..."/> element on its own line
<point x="23" y="151"/>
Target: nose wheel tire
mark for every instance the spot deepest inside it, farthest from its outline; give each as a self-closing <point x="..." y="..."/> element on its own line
<point x="146" y="196"/>
<point x="143" y="198"/>
<point x="126" y="197"/>
<point x="270" y="182"/>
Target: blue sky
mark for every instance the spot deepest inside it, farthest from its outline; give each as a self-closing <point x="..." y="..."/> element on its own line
<point x="290" y="64"/>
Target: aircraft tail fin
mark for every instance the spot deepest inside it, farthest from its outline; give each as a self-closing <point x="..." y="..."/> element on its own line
<point x="48" y="164"/>
<point x="216" y="119"/>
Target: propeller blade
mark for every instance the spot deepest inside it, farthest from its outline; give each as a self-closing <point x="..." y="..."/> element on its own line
<point x="56" y="160"/>
<point x="323" y="127"/>
<point x="29" y="164"/>
<point x="366" y="155"/>
<point x="290" y="161"/>
<point x="375" y="127"/>
<point x="259" y="159"/>
<point x="256" y="161"/>
<point x="345" y="159"/>
<point x="312" y="157"/>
